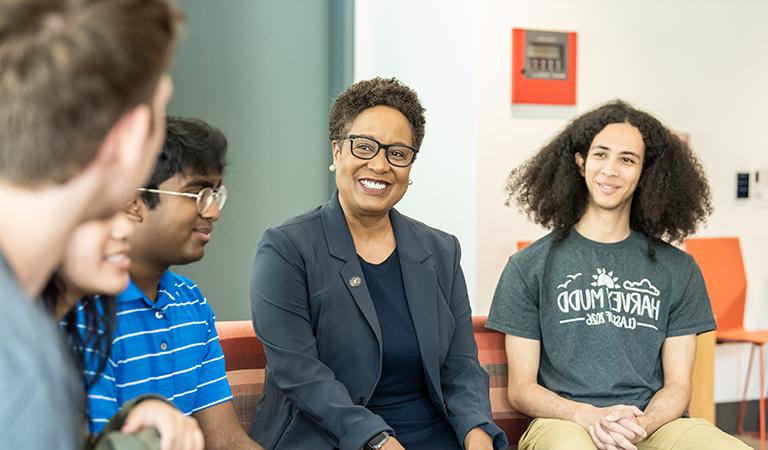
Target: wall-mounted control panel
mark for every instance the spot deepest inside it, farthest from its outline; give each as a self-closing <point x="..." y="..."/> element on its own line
<point x="543" y="67"/>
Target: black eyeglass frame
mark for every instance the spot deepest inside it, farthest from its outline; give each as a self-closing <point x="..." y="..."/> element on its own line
<point x="352" y="137"/>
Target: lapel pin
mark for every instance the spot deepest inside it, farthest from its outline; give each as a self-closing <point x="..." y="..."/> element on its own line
<point x="355" y="281"/>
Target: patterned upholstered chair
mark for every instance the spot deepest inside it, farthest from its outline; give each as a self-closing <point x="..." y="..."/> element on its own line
<point x="493" y="357"/>
<point x="245" y="361"/>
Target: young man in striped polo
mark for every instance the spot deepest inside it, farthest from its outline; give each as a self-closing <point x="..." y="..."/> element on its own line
<point x="165" y="341"/>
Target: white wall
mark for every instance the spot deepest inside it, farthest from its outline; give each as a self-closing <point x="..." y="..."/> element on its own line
<point x="404" y="39"/>
<point x="669" y="58"/>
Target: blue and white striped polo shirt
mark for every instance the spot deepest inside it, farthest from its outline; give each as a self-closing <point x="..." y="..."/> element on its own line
<point x="169" y="347"/>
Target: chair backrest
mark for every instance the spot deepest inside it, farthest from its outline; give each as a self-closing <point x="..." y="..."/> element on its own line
<point x="723" y="269"/>
<point x="245" y="361"/>
<point x="242" y="349"/>
<point x="492" y="354"/>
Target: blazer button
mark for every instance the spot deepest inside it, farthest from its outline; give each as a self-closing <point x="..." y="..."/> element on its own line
<point x="355" y="281"/>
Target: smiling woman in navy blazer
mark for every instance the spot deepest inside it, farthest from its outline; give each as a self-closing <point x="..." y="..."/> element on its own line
<point x="363" y="312"/>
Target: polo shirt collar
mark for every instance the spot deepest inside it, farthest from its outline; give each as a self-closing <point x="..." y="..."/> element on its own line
<point x="133" y="293"/>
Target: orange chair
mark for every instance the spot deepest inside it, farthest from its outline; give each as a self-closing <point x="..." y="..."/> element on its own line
<point x="721" y="264"/>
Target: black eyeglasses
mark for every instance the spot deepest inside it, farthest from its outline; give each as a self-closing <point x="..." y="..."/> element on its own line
<point x="366" y="148"/>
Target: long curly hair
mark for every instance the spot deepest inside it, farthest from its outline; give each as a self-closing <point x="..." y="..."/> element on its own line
<point x="672" y="196"/>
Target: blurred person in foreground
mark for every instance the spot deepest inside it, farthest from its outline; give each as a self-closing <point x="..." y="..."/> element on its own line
<point x="81" y="295"/>
<point x="84" y="88"/>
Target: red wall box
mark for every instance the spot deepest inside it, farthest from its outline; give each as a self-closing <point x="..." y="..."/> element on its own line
<point x="543" y="67"/>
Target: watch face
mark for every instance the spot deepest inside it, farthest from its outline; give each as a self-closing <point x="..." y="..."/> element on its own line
<point x="379" y="440"/>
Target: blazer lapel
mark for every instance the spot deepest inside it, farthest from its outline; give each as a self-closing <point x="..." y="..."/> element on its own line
<point x="420" y="283"/>
<point x="341" y="246"/>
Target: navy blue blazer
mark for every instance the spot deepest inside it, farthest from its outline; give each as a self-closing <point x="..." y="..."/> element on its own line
<point x="314" y="314"/>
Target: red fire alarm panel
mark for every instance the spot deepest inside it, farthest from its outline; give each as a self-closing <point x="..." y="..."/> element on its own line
<point x="543" y="67"/>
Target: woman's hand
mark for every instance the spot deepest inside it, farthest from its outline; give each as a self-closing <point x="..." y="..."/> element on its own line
<point x="477" y="439"/>
<point x="177" y="431"/>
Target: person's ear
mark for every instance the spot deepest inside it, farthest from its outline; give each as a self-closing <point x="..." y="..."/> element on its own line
<point x="123" y="147"/>
<point x="579" y="159"/>
<point x="136" y="209"/>
<point x="335" y="150"/>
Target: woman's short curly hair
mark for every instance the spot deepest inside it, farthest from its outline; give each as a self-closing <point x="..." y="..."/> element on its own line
<point x="672" y="196"/>
<point x="376" y="92"/>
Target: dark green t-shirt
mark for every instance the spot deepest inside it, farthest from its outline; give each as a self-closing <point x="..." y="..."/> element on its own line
<point x="601" y="312"/>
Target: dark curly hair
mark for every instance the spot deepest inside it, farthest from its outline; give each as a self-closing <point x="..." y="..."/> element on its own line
<point x="672" y="196"/>
<point x="376" y="92"/>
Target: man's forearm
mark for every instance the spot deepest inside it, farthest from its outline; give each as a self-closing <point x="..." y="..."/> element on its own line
<point x="240" y="441"/>
<point x="666" y="405"/>
<point x="222" y="429"/>
<point x="246" y="443"/>
<point x="535" y="400"/>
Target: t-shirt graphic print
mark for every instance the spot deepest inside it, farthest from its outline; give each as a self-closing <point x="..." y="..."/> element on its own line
<point x="606" y="300"/>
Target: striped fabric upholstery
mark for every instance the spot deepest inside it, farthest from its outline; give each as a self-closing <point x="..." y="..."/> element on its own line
<point x="245" y="362"/>
<point x="493" y="357"/>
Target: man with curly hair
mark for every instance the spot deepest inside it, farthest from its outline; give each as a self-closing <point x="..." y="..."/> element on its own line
<point x="601" y="315"/>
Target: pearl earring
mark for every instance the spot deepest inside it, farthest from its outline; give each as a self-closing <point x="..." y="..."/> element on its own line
<point x="410" y="182"/>
<point x="332" y="168"/>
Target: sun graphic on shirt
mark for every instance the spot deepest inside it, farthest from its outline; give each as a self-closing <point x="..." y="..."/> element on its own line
<point x="603" y="278"/>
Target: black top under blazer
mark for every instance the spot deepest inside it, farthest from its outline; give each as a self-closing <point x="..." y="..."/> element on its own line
<point x="312" y="310"/>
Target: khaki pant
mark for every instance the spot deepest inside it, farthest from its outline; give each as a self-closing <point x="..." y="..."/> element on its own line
<point x="680" y="434"/>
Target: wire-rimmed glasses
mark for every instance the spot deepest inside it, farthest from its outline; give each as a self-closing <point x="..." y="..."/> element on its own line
<point x="203" y="199"/>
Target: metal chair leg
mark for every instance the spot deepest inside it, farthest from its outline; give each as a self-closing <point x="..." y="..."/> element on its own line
<point x="762" y="400"/>
<point x="743" y="403"/>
